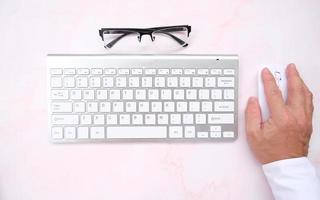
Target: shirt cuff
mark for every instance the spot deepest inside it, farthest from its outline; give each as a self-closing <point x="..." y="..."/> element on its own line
<point x="294" y="178"/>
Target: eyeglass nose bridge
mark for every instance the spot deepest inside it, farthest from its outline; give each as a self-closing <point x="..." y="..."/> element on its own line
<point x="141" y="34"/>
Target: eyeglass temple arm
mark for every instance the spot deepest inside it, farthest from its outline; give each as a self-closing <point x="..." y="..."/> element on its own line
<point x="181" y="42"/>
<point x="113" y="42"/>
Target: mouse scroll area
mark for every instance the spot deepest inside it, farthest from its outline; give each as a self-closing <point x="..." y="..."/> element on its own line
<point x="279" y="73"/>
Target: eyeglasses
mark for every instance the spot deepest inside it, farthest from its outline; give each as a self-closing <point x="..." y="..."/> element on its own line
<point x="178" y="33"/>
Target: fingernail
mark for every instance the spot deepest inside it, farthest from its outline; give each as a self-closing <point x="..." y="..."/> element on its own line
<point x="266" y="72"/>
<point x="292" y="65"/>
<point x="252" y="100"/>
<point x="293" y="68"/>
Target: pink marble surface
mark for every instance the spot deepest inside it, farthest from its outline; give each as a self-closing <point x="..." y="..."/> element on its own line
<point x="30" y="168"/>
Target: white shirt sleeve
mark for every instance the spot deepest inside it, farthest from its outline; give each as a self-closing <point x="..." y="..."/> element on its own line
<point x="293" y="179"/>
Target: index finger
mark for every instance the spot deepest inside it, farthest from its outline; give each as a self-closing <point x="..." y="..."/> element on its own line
<point x="273" y="94"/>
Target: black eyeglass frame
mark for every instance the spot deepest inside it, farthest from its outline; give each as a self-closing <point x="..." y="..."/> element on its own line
<point x="145" y="31"/>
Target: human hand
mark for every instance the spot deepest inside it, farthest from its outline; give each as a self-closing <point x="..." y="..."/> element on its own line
<point x="287" y="132"/>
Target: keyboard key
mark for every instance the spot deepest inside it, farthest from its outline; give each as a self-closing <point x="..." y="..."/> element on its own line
<point x="221" y="118"/>
<point x="178" y="94"/>
<point x="134" y="82"/>
<point x="56" y="71"/>
<point x="228" y="71"/>
<point x="150" y="119"/>
<point x="96" y="71"/>
<point x="163" y="119"/>
<point x="215" y="134"/>
<point x="225" y="82"/>
<point x="95" y="82"/>
<point x="216" y="71"/>
<point x="61" y="107"/>
<point x="68" y="82"/>
<point x="79" y="107"/>
<point x="210" y="82"/>
<point x="215" y="128"/>
<point x="202" y="134"/>
<point x="194" y="106"/>
<point x="143" y="106"/>
<point x="146" y="82"/>
<point x="139" y="132"/>
<point x="204" y="94"/>
<point x="85" y="119"/>
<point x="153" y="94"/>
<point x="124" y="71"/>
<point x="216" y="94"/>
<point x="121" y="82"/>
<point x="70" y="132"/>
<point x="75" y="94"/>
<point x="187" y="118"/>
<point x="197" y="82"/>
<point x="82" y="82"/>
<point x="141" y="94"/>
<point x="137" y="119"/>
<point x="159" y="82"/>
<point x="69" y="71"/>
<point x="56" y="132"/>
<point x="150" y="71"/>
<point x="124" y="119"/>
<point x="97" y="133"/>
<point x="203" y="71"/>
<point x="110" y="71"/>
<point x="189" y="132"/>
<point x="176" y="71"/>
<point x="83" y="133"/>
<point x="228" y="94"/>
<point x="105" y="107"/>
<point x="185" y="82"/>
<point x="83" y="71"/>
<point x="172" y="81"/>
<point x="131" y="107"/>
<point x="166" y="94"/>
<point x="102" y="94"/>
<point x="56" y="82"/>
<point x="201" y="119"/>
<point x="92" y="106"/>
<point x="88" y="94"/>
<point x="224" y="106"/>
<point x="111" y="119"/>
<point x="228" y="134"/>
<point x="163" y="71"/>
<point x="127" y="94"/>
<point x="136" y="71"/>
<point x="65" y="119"/>
<point x="107" y="82"/>
<point x="98" y="119"/>
<point x="175" y="132"/>
<point x="175" y="118"/>
<point x="182" y="106"/>
<point x="168" y="106"/>
<point x="206" y="106"/>
<point x="59" y="94"/>
<point x="117" y="107"/>
<point x="189" y="71"/>
<point x="156" y="106"/>
<point x="191" y="94"/>
<point x="114" y="94"/>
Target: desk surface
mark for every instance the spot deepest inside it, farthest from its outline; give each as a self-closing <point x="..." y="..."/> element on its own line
<point x="260" y="32"/>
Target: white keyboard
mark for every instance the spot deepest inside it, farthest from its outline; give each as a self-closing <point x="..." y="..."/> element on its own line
<point x="94" y="98"/>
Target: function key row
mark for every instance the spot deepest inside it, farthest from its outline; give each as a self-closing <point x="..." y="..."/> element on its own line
<point x="138" y="71"/>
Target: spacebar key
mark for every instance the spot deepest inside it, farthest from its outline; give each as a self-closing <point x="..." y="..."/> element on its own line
<point x="136" y="132"/>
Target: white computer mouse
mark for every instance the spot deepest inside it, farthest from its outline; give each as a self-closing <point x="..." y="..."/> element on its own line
<point x="279" y="72"/>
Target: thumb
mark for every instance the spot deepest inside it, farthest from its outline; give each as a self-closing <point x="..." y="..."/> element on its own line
<point x="253" y="117"/>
